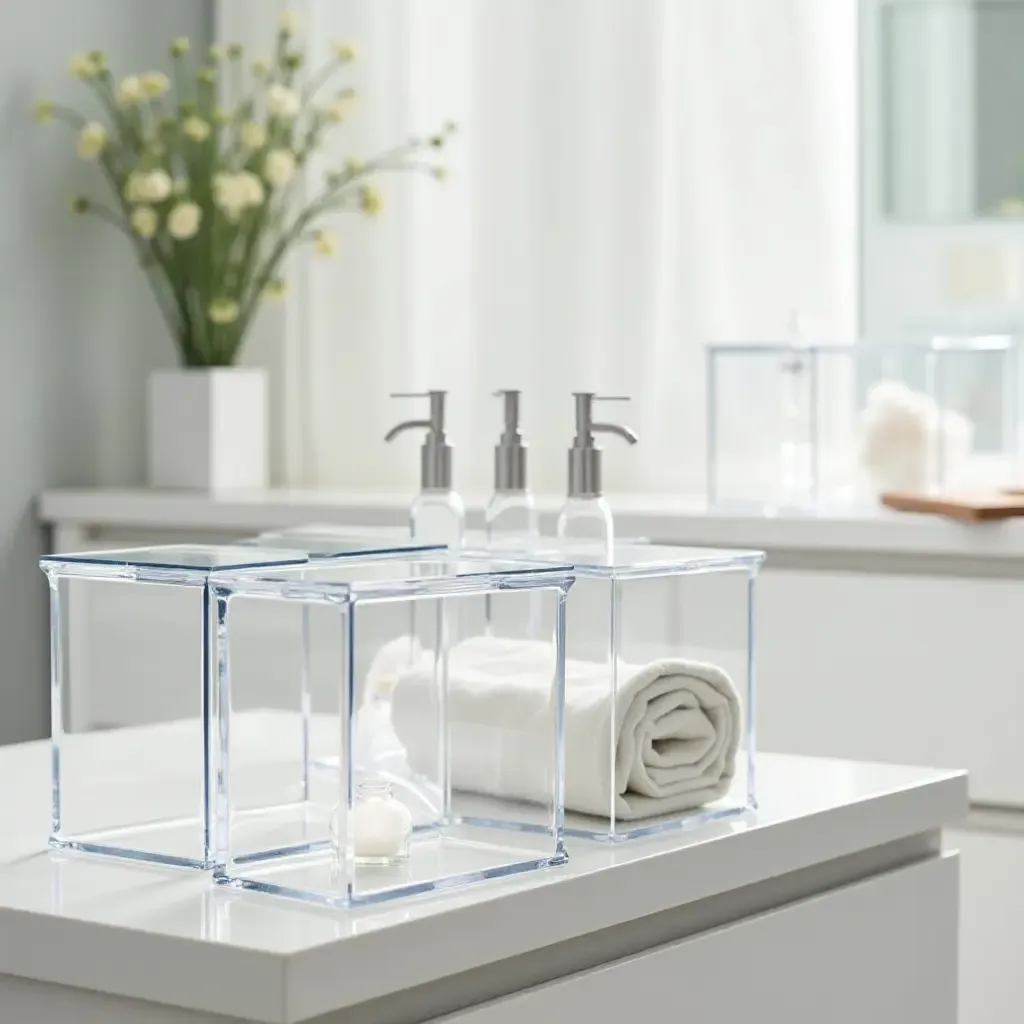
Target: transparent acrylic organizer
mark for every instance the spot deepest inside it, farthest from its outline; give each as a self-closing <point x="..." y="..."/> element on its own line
<point x="131" y="690"/>
<point x="786" y="423"/>
<point x="468" y="741"/>
<point x="645" y="753"/>
<point x="324" y="541"/>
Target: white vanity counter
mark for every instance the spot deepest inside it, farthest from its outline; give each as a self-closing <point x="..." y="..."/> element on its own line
<point x="86" y="515"/>
<point x="834" y="901"/>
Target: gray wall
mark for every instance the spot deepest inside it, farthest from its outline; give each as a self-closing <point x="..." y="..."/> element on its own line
<point x="79" y="330"/>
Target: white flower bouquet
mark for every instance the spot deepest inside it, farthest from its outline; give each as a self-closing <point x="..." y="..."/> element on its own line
<point x="208" y="194"/>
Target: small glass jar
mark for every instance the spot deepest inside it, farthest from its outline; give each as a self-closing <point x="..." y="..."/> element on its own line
<point x="380" y="827"/>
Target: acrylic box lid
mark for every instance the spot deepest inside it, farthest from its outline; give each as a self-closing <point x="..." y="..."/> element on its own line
<point x="192" y="561"/>
<point x="423" y="573"/>
<point x="324" y="540"/>
<point x="867" y="346"/>
<point x="629" y="559"/>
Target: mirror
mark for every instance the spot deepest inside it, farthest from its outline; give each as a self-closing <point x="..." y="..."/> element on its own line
<point x="952" y="118"/>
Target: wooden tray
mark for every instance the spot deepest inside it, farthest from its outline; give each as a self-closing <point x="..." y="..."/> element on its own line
<point x="968" y="508"/>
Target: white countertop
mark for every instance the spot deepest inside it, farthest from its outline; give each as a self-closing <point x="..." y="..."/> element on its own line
<point x="681" y="520"/>
<point x="170" y="936"/>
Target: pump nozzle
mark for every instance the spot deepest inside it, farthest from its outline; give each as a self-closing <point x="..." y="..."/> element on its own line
<point x="510" y="452"/>
<point x="436" y="453"/>
<point x="585" y="455"/>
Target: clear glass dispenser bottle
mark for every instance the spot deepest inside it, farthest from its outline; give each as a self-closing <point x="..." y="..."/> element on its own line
<point x="586" y="514"/>
<point x="511" y="516"/>
<point x="438" y="515"/>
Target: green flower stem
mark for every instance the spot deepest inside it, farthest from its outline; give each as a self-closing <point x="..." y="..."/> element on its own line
<point x="68" y="116"/>
<point x="110" y="217"/>
<point x="319" y="79"/>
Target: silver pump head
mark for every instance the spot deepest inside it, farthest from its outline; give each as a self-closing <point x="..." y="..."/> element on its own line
<point x="436" y="453"/>
<point x="510" y="452"/>
<point x="585" y="455"/>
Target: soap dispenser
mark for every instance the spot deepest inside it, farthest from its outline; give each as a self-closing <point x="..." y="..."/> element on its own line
<point x="511" y="516"/>
<point x="437" y="515"/>
<point x="586" y="514"/>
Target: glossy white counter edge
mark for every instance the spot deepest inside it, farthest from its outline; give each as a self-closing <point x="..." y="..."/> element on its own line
<point x="169" y="937"/>
<point x="678" y="520"/>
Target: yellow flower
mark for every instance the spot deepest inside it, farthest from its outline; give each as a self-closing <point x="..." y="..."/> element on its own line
<point x="157" y="186"/>
<point x="83" y="66"/>
<point x="183" y="221"/>
<point x="148" y="187"/>
<point x="206" y="76"/>
<point x="1011" y="207"/>
<point x="251" y="188"/>
<point x="289" y="23"/>
<point x="145" y="221"/>
<point x="155" y="83"/>
<point x="254" y="136"/>
<point x="180" y="46"/>
<point x="130" y="92"/>
<point x="441" y="173"/>
<point x="343" y="107"/>
<point x="92" y="140"/>
<point x="323" y="242"/>
<point x="217" y="52"/>
<point x="276" y="290"/>
<point x="282" y="102"/>
<point x="223" y="311"/>
<point x="279" y="167"/>
<point x="223" y="116"/>
<point x="44" y="111"/>
<point x="196" y="129"/>
<point x="370" y="201"/>
<point x="260" y="68"/>
<point x="235" y="193"/>
<point x="345" y="51"/>
<point x="133" y="187"/>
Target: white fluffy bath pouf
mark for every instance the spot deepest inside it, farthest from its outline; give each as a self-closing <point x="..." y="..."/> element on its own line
<point x="899" y="436"/>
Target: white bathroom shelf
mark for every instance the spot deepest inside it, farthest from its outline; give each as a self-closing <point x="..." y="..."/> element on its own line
<point x="90" y="516"/>
<point x="842" y="858"/>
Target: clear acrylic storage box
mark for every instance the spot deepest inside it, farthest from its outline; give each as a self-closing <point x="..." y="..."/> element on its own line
<point x="659" y="683"/>
<point x="324" y="541"/>
<point x="327" y="540"/>
<point x="795" y="426"/>
<point x="450" y="732"/>
<point x="131" y="698"/>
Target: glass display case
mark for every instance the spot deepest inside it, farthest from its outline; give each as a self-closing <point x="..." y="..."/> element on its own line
<point x="131" y="649"/>
<point x="659" y="684"/>
<point x="444" y="763"/>
<point x="799" y="426"/>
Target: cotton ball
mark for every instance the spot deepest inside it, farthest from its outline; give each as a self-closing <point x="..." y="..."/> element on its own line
<point x="894" y="437"/>
<point x="900" y="434"/>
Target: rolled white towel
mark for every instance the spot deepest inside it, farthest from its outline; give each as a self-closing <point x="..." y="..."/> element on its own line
<point x="677" y="727"/>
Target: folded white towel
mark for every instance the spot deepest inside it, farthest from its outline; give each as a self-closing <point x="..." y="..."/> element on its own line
<point x="677" y="726"/>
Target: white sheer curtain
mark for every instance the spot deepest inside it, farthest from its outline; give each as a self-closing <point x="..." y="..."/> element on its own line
<point x="630" y="181"/>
